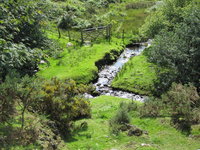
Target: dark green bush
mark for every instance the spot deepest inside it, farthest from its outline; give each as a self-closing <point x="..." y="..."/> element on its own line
<point x="62" y="102"/>
<point x="150" y="108"/>
<point x="21" y="23"/>
<point x="18" y="57"/>
<point x="7" y="98"/>
<point x="175" y="49"/>
<point x="120" y="118"/>
<point x="196" y="116"/>
<point x="181" y="103"/>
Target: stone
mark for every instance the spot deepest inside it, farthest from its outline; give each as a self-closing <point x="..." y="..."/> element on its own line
<point x="87" y="43"/>
<point x="145" y="132"/>
<point x="69" y="44"/>
<point x="124" y="128"/>
<point x="144" y="144"/>
<point x="135" y="131"/>
<point x="42" y="62"/>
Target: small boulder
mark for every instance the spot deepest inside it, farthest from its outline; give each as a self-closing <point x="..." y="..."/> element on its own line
<point x="42" y="62"/>
<point x="135" y="131"/>
<point x="69" y="44"/>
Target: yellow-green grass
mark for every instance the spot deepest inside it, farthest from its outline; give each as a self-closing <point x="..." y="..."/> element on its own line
<point x="162" y="136"/>
<point x="136" y="76"/>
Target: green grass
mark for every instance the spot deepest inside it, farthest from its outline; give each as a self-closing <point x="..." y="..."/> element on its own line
<point x="97" y="137"/>
<point x="77" y="62"/>
<point x="136" y="76"/>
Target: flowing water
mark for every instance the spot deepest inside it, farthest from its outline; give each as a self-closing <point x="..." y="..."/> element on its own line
<point x="106" y="75"/>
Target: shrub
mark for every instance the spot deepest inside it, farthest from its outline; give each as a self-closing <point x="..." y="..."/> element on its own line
<point x="180" y="101"/>
<point x="21" y="23"/>
<point x="7" y="98"/>
<point x="17" y="57"/>
<point x="151" y="108"/>
<point x="132" y="107"/>
<point x="62" y="102"/>
<point x="196" y="116"/>
<point x="174" y="25"/>
<point x="120" y="118"/>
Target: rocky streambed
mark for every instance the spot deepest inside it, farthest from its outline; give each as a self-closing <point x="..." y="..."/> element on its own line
<point x="108" y="73"/>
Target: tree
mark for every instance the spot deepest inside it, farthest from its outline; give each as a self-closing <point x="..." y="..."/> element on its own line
<point x="28" y="92"/>
<point x="20" y="22"/>
<point x="17" y="57"/>
<point x="180" y="102"/>
<point x="178" y="51"/>
<point x="7" y="98"/>
<point x="164" y="18"/>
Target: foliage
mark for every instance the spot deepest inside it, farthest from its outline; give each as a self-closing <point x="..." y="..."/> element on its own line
<point x="28" y="91"/>
<point x="196" y="116"/>
<point x="20" y="22"/>
<point x="20" y="36"/>
<point x="7" y="98"/>
<point x="165" y="17"/>
<point x="121" y="117"/>
<point x="151" y="108"/>
<point x="18" y="57"/>
<point x="180" y="101"/>
<point x="66" y="21"/>
<point x="178" y="51"/>
<point x="17" y="92"/>
<point x="62" y="102"/>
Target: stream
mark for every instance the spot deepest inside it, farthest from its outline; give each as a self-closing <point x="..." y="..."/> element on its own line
<point x="106" y="75"/>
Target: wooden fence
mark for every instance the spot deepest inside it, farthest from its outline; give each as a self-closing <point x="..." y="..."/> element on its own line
<point x="90" y="34"/>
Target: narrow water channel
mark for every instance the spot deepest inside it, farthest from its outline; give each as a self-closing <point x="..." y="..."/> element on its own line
<point x="106" y="75"/>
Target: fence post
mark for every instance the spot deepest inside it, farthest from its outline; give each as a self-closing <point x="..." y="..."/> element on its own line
<point x="109" y="32"/>
<point x="82" y="40"/>
<point x="107" y="36"/>
<point x="123" y="36"/>
<point x="69" y="35"/>
<point x="59" y="34"/>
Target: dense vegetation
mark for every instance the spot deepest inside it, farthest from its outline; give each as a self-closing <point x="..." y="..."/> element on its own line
<point x="45" y="71"/>
<point x="175" y="50"/>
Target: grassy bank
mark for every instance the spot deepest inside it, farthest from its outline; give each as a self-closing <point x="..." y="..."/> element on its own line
<point x="77" y="62"/>
<point x="97" y="135"/>
<point x="136" y="76"/>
